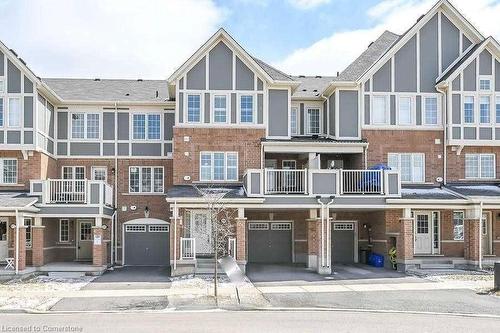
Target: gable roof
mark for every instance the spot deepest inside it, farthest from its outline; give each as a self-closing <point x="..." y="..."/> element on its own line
<point x="104" y="90"/>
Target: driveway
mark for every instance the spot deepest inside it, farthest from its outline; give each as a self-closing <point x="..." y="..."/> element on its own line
<point x="133" y="277"/>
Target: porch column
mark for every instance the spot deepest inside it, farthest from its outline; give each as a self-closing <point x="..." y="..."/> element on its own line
<point x="99" y="250"/>
<point x="21" y="249"/>
<point x="471" y="239"/>
<point x="404" y="245"/>
<point x="312" y="239"/>
<point x="241" y="237"/>
<point x="175" y="239"/>
<point x="37" y="243"/>
<point x="324" y="267"/>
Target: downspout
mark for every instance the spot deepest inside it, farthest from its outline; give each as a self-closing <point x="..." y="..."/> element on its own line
<point x="328" y="232"/>
<point x="480" y="263"/>
<point x="113" y="221"/>
<point x="115" y="252"/>
<point x="17" y="241"/>
<point x="175" y="235"/>
<point x="445" y="131"/>
<point x="322" y="214"/>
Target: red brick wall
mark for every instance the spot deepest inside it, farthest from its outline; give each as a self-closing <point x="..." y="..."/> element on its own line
<point x="37" y="166"/>
<point x="247" y="142"/>
<point x="382" y="142"/>
<point x="455" y="164"/>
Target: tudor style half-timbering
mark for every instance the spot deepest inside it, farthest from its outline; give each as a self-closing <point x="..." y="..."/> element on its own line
<point x="399" y="149"/>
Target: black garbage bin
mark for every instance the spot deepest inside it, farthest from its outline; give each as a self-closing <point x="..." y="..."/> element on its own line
<point x="364" y="253"/>
<point x="497" y="276"/>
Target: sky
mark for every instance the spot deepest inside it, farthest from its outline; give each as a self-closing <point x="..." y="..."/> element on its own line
<point x="149" y="39"/>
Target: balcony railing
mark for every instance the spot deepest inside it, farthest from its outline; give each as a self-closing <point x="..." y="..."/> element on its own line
<point x="323" y="182"/>
<point x="73" y="191"/>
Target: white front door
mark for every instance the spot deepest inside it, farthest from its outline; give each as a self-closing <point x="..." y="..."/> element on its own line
<point x="423" y="233"/>
<point x="4" y="250"/>
<point x="85" y="240"/>
<point x="486" y="234"/>
<point x="201" y="231"/>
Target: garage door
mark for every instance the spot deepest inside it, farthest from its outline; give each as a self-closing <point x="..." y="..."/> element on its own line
<point x="147" y="244"/>
<point x="342" y="243"/>
<point x="270" y="242"/>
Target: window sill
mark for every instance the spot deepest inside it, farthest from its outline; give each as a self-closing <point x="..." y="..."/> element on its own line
<point x="11" y="185"/>
<point x="493" y="180"/>
<point x="141" y="193"/>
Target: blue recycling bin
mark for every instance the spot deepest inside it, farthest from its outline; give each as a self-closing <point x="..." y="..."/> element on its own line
<point x="372" y="180"/>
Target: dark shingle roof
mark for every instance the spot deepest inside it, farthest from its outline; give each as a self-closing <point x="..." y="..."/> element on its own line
<point x="376" y="50"/>
<point x="476" y="190"/>
<point x="15" y="199"/>
<point x="427" y="192"/>
<point x="109" y="90"/>
<point x="311" y="86"/>
<point x="274" y="73"/>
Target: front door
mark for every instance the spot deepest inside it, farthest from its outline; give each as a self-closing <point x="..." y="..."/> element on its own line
<point x="423" y="233"/>
<point x="4" y="250"/>
<point x="486" y="234"/>
<point x="201" y="231"/>
<point x="84" y="240"/>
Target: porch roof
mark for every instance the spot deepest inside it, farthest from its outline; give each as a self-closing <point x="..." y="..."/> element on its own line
<point x="476" y="189"/>
<point x="17" y="200"/>
<point x="428" y="192"/>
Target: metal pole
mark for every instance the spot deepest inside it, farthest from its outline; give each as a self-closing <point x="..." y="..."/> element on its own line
<point x="175" y="235"/>
<point x="17" y="242"/>
<point x="480" y="263"/>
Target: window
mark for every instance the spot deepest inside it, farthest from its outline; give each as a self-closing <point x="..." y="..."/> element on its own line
<point x="85" y="126"/>
<point x="380" y="110"/>
<point x="64" y="230"/>
<point x="293" y="121"/>
<point x="405" y="110"/>
<point x="29" y="238"/>
<point x="135" y="228"/>
<point x="246" y="108"/>
<point x="99" y="173"/>
<point x="220" y="108"/>
<point x="146" y="179"/>
<point x="73" y="172"/>
<point x="480" y="166"/>
<point x="431" y="110"/>
<point x="498" y="109"/>
<point x="458" y="225"/>
<point x="411" y="166"/>
<point x="469" y="110"/>
<point x="194" y="108"/>
<point x="218" y="166"/>
<point x="1" y="112"/>
<point x="2" y="86"/>
<point x="484" y="110"/>
<point x="484" y="84"/>
<point x="14" y="113"/>
<point x="8" y="168"/>
<point x="146" y="126"/>
<point x="313" y="121"/>
<point x="289" y="164"/>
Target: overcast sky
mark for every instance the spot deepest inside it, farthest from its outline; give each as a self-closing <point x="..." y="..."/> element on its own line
<point x="150" y="38"/>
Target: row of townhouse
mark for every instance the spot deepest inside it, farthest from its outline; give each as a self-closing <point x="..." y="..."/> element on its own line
<point x="113" y="171"/>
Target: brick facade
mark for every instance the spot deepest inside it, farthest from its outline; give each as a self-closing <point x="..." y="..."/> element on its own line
<point x="455" y="164"/>
<point x="37" y="235"/>
<point x="36" y="166"/>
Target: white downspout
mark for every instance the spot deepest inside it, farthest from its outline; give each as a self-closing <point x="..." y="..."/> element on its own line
<point x="322" y="232"/>
<point x="17" y="241"/>
<point x="480" y="263"/>
<point x="116" y="187"/>
<point x="113" y="221"/>
<point x="445" y="130"/>
<point x="328" y="234"/>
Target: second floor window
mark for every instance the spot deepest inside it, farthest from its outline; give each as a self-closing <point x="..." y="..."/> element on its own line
<point x="480" y="166"/>
<point x="220" y="108"/>
<point x="293" y="121"/>
<point x="411" y="166"/>
<point x="246" y="109"/>
<point x="14" y="112"/>
<point x="99" y="173"/>
<point x="484" y="110"/>
<point x="405" y="110"/>
<point x="218" y="166"/>
<point x="380" y="110"/>
<point x="431" y="110"/>
<point x="313" y="121"/>
<point x="194" y="108"/>
<point x="146" y="126"/>
<point x="484" y="84"/>
<point x="85" y="126"/>
<point x="8" y="170"/>
<point x="469" y="109"/>
<point x="146" y="179"/>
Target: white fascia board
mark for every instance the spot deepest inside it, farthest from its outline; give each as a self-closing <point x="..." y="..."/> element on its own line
<point x="15" y="60"/>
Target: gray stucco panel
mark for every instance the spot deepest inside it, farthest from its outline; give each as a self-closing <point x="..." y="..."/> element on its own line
<point x="28" y="111"/>
<point x="393" y="184"/>
<point x="302" y="118"/>
<point x="221" y="67"/>
<point x="497" y="75"/>
<point x="456" y="113"/>
<point x="146" y="149"/>
<point x="382" y="78"/>
<point x="450" y="42"/>
<point x="324" y="183"/>
<point x="2" y="69"/>
<point x="497" y="133"/>
<point x="260" y="84"/>
<point x="168" y="148"/>
<point x="429" y="58"/>
<point x="169" y="122"/>
<point x="470" y="77"/>
<point x="14" y="78"/>
<point x="485" y="134"/>
<point x="348" y="113"/>
<point x="13" y="137"/>
<point x="123" y="126"/>
<point x="485" y="63"/>
<point x="28" y="85"/>
<point x="52" y="119"/>
<point x="94" y="194"/>
<point x="62" y="125"/>
<point x="50" y="146"/>
<point x="207" y="108"/>
<point x="255" y="183"/>
<point x="108" y="149"/>
<point x="123" y="149"/>
<point x="455" y="85"/>
<point x="465" y="43"/>
<point x="68" y="210"/>
<point x="278" y="112"/>
<point x="325" y="117"/>
<point x="108" y="125"/>
<point x="469" y="133"/>
<point x="331" y="114"/>
<point x="393" y="110"/>
<point x="84" y="149"/>
<point x="62" y="148"/>
<point x="244" y="76"/>
<point x="1" y="136"/>
<point x="418" y="110"/>
<point x="196" y="76"/>
<point x="233" y="108"/>
<point x="28" y="137"/>
<point x="181" y="107"/>
<point x="367" y="109"/>
<point x="260" y="108"/>
<point x="456" y="133"/>
<point x="405" y="67"/>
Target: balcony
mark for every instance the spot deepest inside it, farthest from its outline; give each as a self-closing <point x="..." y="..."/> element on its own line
<point x="72" y="192"/>
<point x="314" y="182"/>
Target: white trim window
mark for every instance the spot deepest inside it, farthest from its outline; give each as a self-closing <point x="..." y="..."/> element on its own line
<point x="145" y="179"/>
<point x="458" y="225"/>
<point x="247" y="109"/>
<point x="484" y="110"/>
<point x="484" y="84"/>
<point x="497" y="109"/>
<point x="313" y="121"/>
<point x="480" y="166"/>
<point x="220" y="108"/>
<point x="405" y="110"/>
<point x="73" y="172"/>
<point x="99" y="173"/>
<point x="193" y="108"/>
<point x="380" y="110"/>
<point x="64" y="230"/>
<point x="146" y="126"/>
<point x="469" y="110"/>
<point x="410" y="165"/>
<point x="2" y="86"/>
<point x="294" y="120"/>
<point x="218" y="166"/>
<point x="85" y="126"/>
<point x="1" y="112"/>
<point x="14" y="112"/>
<point x="28" y="223"/>
<point x="8" y="169"/>
<point x="430" y="110"/>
